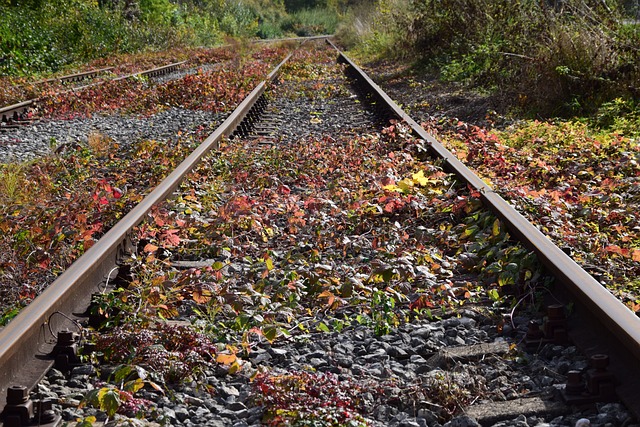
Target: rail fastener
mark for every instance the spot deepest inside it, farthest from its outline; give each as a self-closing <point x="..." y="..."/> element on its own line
<point x="21" y="411"/>
<point x="599" y="322"/>
<point x="24" y="354"/>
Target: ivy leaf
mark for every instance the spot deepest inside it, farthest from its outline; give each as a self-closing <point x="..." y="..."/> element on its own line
<point x="226" y="359"/>
<point x="86" y="422"/>
<point x="420" y="179"/>
<point x="133" y="386"/>
<point x="109" y="400"/>
<point x="150" y="248"/>
<point x="495" y="231"/>
<point x="270" y="333"/>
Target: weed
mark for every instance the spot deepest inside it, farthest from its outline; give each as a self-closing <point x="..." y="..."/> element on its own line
<point x="12" y="183"/>
<point x="99" y="143"/>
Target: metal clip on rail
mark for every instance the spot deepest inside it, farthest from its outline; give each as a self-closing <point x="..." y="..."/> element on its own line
<point x="597" y="384"/>
<point x="21" y="411"/>
<point x="65" y="351"/>
<point x="554" y="329"/>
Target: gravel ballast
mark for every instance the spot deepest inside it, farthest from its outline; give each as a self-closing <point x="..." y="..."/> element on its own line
<point x="396" y="370"/>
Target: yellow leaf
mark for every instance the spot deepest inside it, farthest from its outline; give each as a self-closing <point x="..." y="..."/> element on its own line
<point x="405" y="185"/>
<point x="496" y="228"/>
<point x="235" y="367"/>
<point x="226" y="359"/>
<point x="419" y="178"/>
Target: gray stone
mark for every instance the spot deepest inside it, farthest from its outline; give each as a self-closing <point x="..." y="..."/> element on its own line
<point x="424" y="333"/>
<point x="71" y="414"/>
<point x="168" y="413"/>
<point x="83" y="370"/>
<point x="182" y="413"/>
<point x="237" y="406"/>
<point x="409" y="423"/>
<point x="397" y="352"/>
<point x="317" y="362"/>
<point x="462" y="421"/>
<point x="55" y="375"/>
<point x="226" y="391"/>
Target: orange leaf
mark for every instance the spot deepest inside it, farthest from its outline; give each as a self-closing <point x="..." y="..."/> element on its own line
<point x="226" y="359"/>
<point x="201" y="296"/>
<point x="150" y="248"/>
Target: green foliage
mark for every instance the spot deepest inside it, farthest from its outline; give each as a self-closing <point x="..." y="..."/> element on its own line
<point x="379" y="29"/>
<point x="310" y="22"/>
<point x="52" y="35"/>
<point x="619" y="115"/>
<point x="567" y="59"/>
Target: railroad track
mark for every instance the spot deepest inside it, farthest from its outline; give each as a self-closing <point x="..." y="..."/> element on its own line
<point x="263" y="124"/>
<point x="21" y="113"/>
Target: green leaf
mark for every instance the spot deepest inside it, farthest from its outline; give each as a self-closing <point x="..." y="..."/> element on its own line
<point x="387" y="275"/>
<point x="133" y="386"/>
<point x="323" y="327"/>
<point x="496" y="228"/>
<point x="109" y="400"/>
<point x="86" y="422"/>
<point x="493" y="294"/>
<point x="506" y="278"/>
<point x="270" y="333"/>
<point x="122" y="373"/>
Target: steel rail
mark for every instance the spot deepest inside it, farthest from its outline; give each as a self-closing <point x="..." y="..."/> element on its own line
<point x="7" y="113"/>
<point x="76" y="76"/>
<point x="154" y="71"/>
<point x="71" y="291"/>
<point x="613" y="316"/>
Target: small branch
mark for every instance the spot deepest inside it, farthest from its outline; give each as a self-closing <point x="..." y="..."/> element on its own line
<point x="517" y="55"/>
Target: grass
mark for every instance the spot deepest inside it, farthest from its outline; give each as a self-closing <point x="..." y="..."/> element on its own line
<point x="12" y="183"/>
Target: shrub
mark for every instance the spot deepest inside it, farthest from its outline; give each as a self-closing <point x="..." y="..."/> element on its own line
<point x="310" y="22"/>
<point x="553" y="57"/>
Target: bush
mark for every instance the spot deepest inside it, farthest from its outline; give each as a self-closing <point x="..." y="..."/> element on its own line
<point x="311" y="22"/>
<point x="375" y="30"/>
<point x="553" y="57"/>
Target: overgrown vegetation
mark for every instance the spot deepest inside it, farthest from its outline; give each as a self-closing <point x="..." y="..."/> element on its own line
<point x="309" y="240"/>
<point x="579" y="186"/>
<point x="550" y="58"/>
<point x="56" y="207"/>
<point x="42" y="37"/>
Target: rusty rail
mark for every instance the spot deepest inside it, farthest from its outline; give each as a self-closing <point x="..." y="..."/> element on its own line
<point x="613" y="317"/>
<point x="76" y="77"/>
<point x="11" y="112"/>
<point x="155" y="71"/>
<point x="26" y="341"/>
